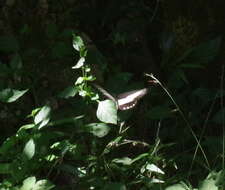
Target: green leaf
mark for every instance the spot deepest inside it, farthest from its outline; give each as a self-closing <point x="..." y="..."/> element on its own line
<point x="43" y="185"/>
<point x="219" y="117"/>
<point x="189" y="65"/>
<point x="181" y="75"/>
<point x="98" y="129"/>
<point x="78" y="43"/>
<point x="31" y="184"/>
<point x="8" y="144"/>
<point x="154" y="168"/>
<point x="107" y="112"/>
<point x="5" y="168"/>
<point x="159" y="112"/>
<point x="9" y="95"/>
<point x="115" y="186"/>
<point x="79" y="64"/>
<point x="61" y="50"/>
<point x="203" y="53"/>
<point x="28" y="183"/>
<point x="43" y="116"/>
<point x="180" y="186"/>
<point x="25" y="127"/>
<point x="208" y="184"/>
<point x="29" y="149"/>
<point x="16" y="62"/>
<point x="52" y="30"/>
<point x="9" y="44"/>
<point x="79" y="80"/>
<point x="70" y="91"/>
<point x="125" y="161"/>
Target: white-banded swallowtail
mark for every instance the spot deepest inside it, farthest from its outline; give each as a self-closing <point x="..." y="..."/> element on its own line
<point x="125" y="100"/>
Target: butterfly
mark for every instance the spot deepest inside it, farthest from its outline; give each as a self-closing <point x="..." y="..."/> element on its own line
<point x="127" y="100"/>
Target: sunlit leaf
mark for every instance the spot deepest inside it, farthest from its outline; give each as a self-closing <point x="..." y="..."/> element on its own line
<point x="208" y="184"/>
<point x="125" y="161"/>
<point x="78" y="43"/>
<point x="29" y="149"/>
<point x="79" y="64"/>
<point x="154" y="168"/>
<point x="107" y="112"/>
<point x="9" y="95"/>
<point x="79" y="80"/>
<point x="43" y="116"/>
<point x="28" y="183"/>
<point x="180" y="186"/>
<point x="98" y="129"/>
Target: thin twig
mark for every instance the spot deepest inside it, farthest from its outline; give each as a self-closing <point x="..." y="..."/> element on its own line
<point x="184" y="118"/>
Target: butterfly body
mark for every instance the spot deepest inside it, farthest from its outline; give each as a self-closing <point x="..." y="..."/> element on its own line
<point x="127" y="100"/>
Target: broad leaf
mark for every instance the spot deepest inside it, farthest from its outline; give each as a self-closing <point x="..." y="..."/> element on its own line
<point x="203" y="53"/>
<point x="29" y="149"/>
<point x="159" y="112"/>
<point x="70" y="91"/>
<point x="8" y="44"/>
<point x="79" y="64"/>
<point x="98" y="129"/>
<point x="154" y="168"/>
<point x="115" y="186"/>
<point x="107" y="112"/>
<point x="30" y="183"/>
<point x="208" y="184"/>
<point x="180" y="186"/>
<point x="16" y="62"/>
<point x="125" y="161"/>
<point x="5" y="168"/>
<point x="43" y="116"/>
<point x="9" y="95"/>
<point x="78" y="43"/>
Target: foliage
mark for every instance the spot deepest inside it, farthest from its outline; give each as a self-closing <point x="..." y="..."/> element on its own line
<point x="75" y="138"/>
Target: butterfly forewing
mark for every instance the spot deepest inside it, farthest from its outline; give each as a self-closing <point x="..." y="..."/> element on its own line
<point x="129" y="99"/>
<point x="125" y="100"/>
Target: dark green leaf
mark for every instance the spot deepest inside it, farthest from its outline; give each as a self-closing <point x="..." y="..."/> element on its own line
<point x="8" y="144"/>
<point x="52" y="30"/>
<point x="159" y="112"/>
<point x="70" y="91"/>
<point x="203" y="53"/>
<point x="5" y="168"/>
<point x="219" y="117"/>
<point x="8" y="44"/>
<point x="115" y="186"/>
<point x="16" y="62"/>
